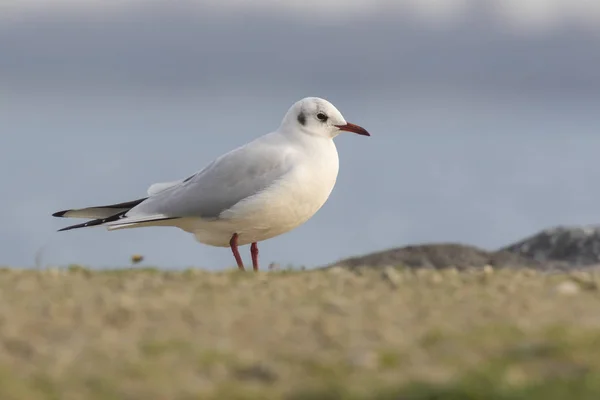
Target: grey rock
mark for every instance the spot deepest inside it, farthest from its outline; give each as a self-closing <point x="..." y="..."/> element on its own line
<point x="552" y="250"/>
<point x="575" y="246"/>
<point x="439" y="256"/>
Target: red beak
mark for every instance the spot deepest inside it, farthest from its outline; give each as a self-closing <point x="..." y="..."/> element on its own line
<point x="353" y="128"/>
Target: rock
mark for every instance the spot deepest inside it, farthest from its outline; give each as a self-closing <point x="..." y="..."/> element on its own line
<point x="439" y="256"/>
<point x="570" y="246"/>
<point x="556" y="249"/>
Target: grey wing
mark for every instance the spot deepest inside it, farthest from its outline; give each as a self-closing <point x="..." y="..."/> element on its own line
<point x="226" y="181"/>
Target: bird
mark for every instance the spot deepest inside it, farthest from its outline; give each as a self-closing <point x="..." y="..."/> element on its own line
<point x="260" y="190"/>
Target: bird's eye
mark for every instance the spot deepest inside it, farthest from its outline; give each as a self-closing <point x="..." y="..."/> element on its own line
<point x="322" y="117"/>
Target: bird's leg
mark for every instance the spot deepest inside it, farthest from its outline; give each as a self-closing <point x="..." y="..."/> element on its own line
<point x="233" y="243"/>
<point x="254" y="252"/>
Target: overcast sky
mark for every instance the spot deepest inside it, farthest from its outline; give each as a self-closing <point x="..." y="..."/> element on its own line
<point x="74" y="45"/>
<point x="530" y="14"/>
<point x="483" y="113"/>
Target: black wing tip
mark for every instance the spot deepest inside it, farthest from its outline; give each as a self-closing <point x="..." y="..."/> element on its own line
<point x="127" y="204"/>
<point x="83" y="225"/>
<point x="68" y="228"/>
<point x="60" y="213"/>
<point x="95" y="222"/>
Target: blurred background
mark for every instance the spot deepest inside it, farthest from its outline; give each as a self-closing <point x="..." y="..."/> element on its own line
<point x="484" y="117"/>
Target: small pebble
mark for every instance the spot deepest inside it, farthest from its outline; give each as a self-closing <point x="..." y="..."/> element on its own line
<point x="364" y="359"/>
<point x="436" y="278"/>
<point x="336" y="270"/>
<point x="568" y="288"/>
<point x="488" y="269"/>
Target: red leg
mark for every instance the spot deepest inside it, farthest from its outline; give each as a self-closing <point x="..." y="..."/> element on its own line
<point x="233" y="243"/>
<point x="254" y="252"/>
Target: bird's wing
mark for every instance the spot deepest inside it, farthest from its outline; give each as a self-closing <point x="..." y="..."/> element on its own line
<point x="233" y="177"/>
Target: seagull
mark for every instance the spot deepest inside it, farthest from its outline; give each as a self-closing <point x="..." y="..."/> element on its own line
<point x="255" y="192"/>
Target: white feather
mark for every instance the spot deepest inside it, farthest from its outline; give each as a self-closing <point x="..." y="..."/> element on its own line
<point x="93" y="212"/>
<point x="162" y="186"/>
<point x="138" y="221"/>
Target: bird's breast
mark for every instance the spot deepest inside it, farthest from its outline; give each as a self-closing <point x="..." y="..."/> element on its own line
<point x="287" y="203"/>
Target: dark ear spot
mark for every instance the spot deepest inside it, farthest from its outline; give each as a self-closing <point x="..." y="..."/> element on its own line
<point x="302" y="118"/>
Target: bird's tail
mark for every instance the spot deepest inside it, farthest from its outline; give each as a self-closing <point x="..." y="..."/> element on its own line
<point x="100" y="211"/>
<point x="109" y="215"/>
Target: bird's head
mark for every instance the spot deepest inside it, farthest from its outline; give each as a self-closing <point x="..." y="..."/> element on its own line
<point x="316" y="116"/>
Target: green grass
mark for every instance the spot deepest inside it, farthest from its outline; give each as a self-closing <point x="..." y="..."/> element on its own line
<point x="144" y="333"/>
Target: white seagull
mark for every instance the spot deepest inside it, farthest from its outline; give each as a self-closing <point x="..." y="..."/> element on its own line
<point x="253" y="193"/>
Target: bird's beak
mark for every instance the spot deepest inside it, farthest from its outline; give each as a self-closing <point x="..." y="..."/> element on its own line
<point x="353" y="128"/>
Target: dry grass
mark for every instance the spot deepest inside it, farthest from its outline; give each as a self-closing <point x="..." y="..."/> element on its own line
<point x="329" y="334"/>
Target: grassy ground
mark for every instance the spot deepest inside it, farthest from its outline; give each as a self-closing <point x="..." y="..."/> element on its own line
<point x="329" y="334"/>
